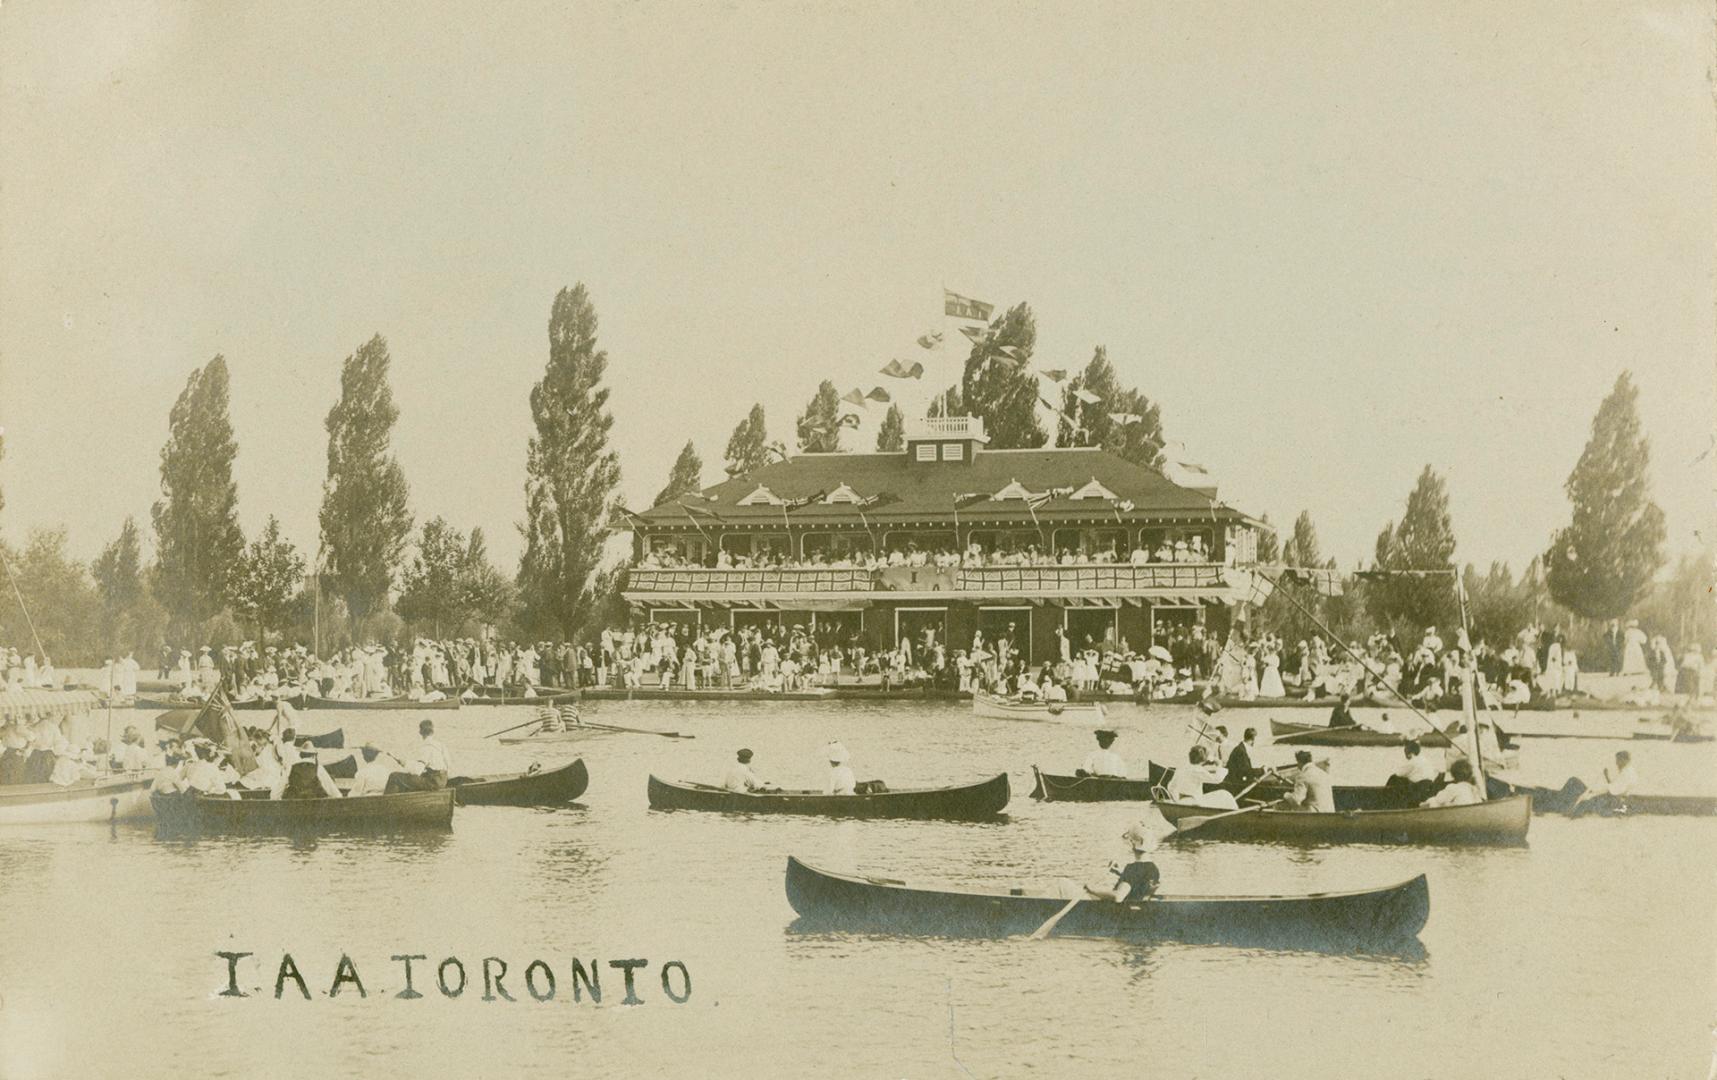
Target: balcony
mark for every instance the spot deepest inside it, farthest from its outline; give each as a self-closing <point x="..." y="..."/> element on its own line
<point x="776" y="584"/>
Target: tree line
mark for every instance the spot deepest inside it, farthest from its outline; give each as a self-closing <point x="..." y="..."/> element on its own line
<point x="377" y="572"/>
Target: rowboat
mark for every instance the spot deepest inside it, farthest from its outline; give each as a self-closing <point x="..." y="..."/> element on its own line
<point x="541" y="699"/>
<point x="111" y="798"/>
<point x="1498" y="821"/>
<point x="402" y="812"/>
<point x="1087" y="712"/>
<point x="973" y="802"/>
<point x="1391" y="914"/>
<point x="1323" y="735"/>
<point x="547" y="787"/>
<point x="1054" y="788"/>
<point x="377" y="703"/>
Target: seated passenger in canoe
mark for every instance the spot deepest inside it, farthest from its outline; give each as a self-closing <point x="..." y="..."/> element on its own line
<point x="203" y="770"/>
<point x="1312" y="791"/>
<point x="14" y="752"/>
<point x="1138" y="879"/>
<point x="170" y="777"/>
<point x="1187" y="783"/>
<point x="741" y="778"/>
<point x="1054" y="693"/>
<point x="1460" y="790"/>
<point x="372" y="777"/>
<point x="1103" y="761"/>
<point x="307" y="779"/>
<point x="1415" y="779"/>
<point x="1612" y="794"/>
<point x="428" y="767"/>
<point x="1242" y="770"/>
<point x="841" y="780"/>
<point x="1342" y="715"/>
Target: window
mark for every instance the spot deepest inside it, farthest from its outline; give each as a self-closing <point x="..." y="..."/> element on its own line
<point x="1015" y="490"/>
<point x="1093" y="490"/>
<point x="842" y="494"/>
<point x="925" y="452"/>
<point x="953" y="451"/>
<point x="761" y="495"/>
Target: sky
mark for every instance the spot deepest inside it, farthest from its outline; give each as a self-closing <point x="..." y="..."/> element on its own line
<point x="1335" y="242"/>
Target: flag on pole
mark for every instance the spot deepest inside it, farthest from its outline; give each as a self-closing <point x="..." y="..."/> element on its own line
<point x="898" y="370"/>
<point x="218" y="724"/>
<point x="930" y="340"/>
<point x="964" y="307"/>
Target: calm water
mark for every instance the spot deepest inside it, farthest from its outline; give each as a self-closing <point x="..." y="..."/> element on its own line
<point x="1589" y="953"/>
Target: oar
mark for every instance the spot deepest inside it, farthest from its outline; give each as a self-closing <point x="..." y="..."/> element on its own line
<point x="515" y="727"/>
<point x="1043" y="931"/>
<point x="634" y="731"/>
<point x="1186" y="825"/>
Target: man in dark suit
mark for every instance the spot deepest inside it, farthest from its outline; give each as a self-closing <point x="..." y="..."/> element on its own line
<point x="1242" y="770"/>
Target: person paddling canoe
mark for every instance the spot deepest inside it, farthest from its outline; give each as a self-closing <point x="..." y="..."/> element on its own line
<point x="1103" y="761"/>
<point x="1138" y="879"/>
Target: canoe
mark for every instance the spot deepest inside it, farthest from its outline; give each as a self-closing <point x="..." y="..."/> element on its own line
<point x="109" y="798"/>
<point x="1072" y="712"/>
<point x="1498" y="821"/>
<point x="1324" y="735"/>
<point x="1567" y="798"/>
<point x="973" y="802"/>
<point x="377" y="703"/>
<point x="1050" y="787"/>
<point x="1380" y="916"/>
<point x="150" y="701"/>
<point x="405" y="811"/>
<point x="541" y="699"/>
<point x="547" y="787"/>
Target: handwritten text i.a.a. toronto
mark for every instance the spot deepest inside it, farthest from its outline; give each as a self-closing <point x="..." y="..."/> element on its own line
<point x="412" y="976"/>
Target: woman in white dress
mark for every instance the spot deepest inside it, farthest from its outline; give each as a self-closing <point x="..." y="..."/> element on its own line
<point x="1551" y="681"/>
<point x="1270" y="685"/>
<point x="1633" y="649"/>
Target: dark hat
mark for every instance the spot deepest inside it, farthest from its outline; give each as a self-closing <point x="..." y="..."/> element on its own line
<point x="1304" y="757"/>
<point x="1105" y="738"/>
<point x="744" y="756"/>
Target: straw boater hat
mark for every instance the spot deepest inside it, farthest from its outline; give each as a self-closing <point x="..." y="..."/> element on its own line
<point x="836" y="753"/>
<point x="1141" y="838"/>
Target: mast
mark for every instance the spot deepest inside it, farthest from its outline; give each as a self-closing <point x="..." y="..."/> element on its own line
<point x="1470" y="688"/>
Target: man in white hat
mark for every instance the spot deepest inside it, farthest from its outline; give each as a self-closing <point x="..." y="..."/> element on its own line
<point x="841" y="780"/>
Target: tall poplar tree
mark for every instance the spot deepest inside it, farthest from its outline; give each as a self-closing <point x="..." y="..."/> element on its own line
<point x="118" y="574"/>
<point x="1302" y="548"/>
<point x="1093" y="423"/>
<point x="819" y="426"/>
<point x="1605" y="558"/>
<point x="748" y="446"/>
<point x="365" y="518"/>
<point x="269" y="577"/>
<point x="891" y="436"/>
<point x="570" y="473"/>
<point x="197" y="537"/>
<point x="999" y="384"/>
<point x="686" y="475"/>
<point x="1424" y="540"/>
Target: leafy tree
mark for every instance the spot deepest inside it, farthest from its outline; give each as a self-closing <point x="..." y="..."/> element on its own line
<point x="131" y="619"/>
<point x="686" y="475"/>
<point x="1498" y="605"/>
<point x="1269" y="546"/>
<point x="1302" y="548"/>
<point x="819" y="426"/>
<point x="999" y="384"/>
<point x="1605" y="558"/>
<point x="197" y="537"/>
<point x="487" y="593"/>
<point x="748" y="446"/>
<point x="60" y="604"/>
<point x="948" y="403"/>
<point x="1424" y="540"/>
<point x="1087" y="424"/>
<point x="1681" y="605"/>
<point x="365" y="519"/>
<point x="891" y="436"/>
<point x="429" y="585"/>
<point x="570" y="473"/>
<point x="267" y="580"/>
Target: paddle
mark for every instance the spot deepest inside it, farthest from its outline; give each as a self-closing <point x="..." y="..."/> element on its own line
<point x="515" y="727"/>
<point x="1186" y="825"/>
<point x="635" y="731"/>
<point x="1043" y="931"/>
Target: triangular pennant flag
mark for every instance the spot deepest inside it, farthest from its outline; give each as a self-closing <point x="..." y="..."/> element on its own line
<point x="1122" y="419"/>
<point x="1055" y="375"/>
<point x="964" y="307"/>
<point x="877" y="393"/>
<point x="1087" y="397"/>
<point x="899" y="370"/>
<point x="854" y="395"/>
<point x="931" y="340"/>
<point x="1012" y="352"/>
<point x="976" y="333"/>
